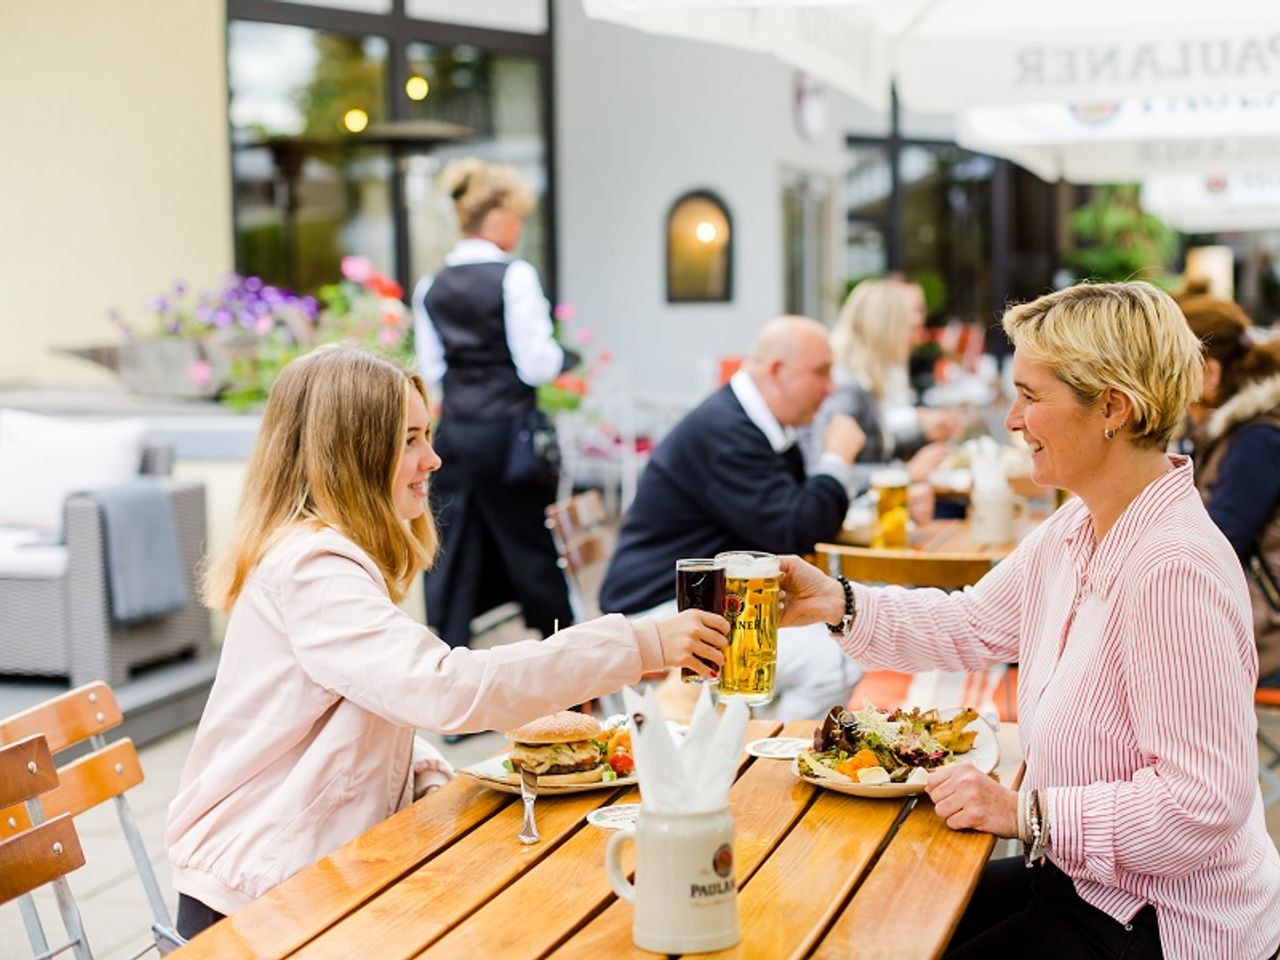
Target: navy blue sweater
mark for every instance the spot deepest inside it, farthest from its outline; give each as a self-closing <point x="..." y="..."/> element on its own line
<point x="715" y="484"/>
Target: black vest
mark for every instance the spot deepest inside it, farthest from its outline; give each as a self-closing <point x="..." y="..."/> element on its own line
<point x="466" y="307"/>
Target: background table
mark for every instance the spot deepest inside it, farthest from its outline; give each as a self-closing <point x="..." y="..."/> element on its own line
<point x="820" y="874"/>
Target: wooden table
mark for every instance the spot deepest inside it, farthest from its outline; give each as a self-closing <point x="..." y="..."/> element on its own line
<point x="820" y="874"/>
<point x="956" y="536"/>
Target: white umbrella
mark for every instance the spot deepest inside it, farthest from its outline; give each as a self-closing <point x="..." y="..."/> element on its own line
<point x="1206" y="204"/>
<point x="947" y="55"/>
<point x="1126" y="140"/>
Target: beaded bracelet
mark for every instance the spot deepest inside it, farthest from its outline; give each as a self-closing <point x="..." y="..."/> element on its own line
<point x="841" y="627"/>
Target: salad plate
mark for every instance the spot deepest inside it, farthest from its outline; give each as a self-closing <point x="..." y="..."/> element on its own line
<point x="983" y="754"/>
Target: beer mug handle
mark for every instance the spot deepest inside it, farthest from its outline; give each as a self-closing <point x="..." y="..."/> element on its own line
<point x="613" y="864"/>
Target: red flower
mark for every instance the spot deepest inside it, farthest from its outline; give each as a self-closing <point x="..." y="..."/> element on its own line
<point x="384" y="286"/>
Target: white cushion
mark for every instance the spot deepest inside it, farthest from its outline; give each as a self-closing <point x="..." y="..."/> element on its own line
<point x="29" y="555"/>
<point x="43" y="459"/>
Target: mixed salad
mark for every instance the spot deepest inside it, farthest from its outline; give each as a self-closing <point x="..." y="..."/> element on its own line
<point x="871" y="746"/>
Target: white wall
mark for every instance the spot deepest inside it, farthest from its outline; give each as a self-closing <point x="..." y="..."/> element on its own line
<point x="640" y="120"/>
<point x="114" y="169"/>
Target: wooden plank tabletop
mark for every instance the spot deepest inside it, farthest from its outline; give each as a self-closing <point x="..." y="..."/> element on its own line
<point x="955" y="536"/>
<point x="816" y="870"/>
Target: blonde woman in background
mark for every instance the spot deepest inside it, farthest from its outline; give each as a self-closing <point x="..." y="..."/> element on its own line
<point x="307" y="739"/>
<point x="871" y="343"/>
<point x="483" y="332"/>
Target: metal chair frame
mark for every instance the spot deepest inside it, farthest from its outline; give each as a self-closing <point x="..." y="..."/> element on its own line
<point x="74" y="717"/>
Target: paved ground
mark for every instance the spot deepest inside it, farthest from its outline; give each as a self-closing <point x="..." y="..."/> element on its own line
<point x="111" y="900"/>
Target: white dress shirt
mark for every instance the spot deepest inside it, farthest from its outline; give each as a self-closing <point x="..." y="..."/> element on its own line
<point x="780" y="437"/>
<point x="537" y="356"/>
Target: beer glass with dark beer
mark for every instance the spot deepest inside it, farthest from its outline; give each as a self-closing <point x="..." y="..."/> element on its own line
<point x="699" y="586"/>
<point x="751" y="607"/>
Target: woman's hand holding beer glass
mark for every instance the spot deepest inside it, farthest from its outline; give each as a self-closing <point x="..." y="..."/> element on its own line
<point x="694" y="640"/>
<point x="808" y="594"/>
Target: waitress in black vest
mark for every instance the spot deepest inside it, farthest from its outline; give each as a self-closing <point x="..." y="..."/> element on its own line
<point x="483" y="332"/>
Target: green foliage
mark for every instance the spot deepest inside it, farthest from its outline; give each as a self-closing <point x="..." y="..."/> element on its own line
<point x="1118" y="240"/>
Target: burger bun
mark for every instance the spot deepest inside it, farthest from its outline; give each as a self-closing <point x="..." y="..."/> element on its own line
<point x="567" y="726"/>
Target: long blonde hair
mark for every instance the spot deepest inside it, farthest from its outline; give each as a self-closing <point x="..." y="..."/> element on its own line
<point x="327" y="453"/>
<point x="478" y="187"/>
<point x="873" y="324"/>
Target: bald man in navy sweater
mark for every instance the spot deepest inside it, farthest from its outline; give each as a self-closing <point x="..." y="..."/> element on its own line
<point x="731" y="477"/>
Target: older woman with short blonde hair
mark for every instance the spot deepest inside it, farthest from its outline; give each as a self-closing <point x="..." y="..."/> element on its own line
<point x="1128" y="614"/>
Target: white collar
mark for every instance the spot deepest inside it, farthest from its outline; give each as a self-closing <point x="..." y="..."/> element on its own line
<point x="475" y="250"/>
<point x="748" y="394"/>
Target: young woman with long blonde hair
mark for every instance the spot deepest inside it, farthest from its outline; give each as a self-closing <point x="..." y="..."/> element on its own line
<point x="307" y="739"/>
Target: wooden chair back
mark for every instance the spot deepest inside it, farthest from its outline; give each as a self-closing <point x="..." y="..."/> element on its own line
<point x="105" y="773"/>
<point x="584" y="541"/>
<point x="908" y="568"/>
<point x="43" y="853"/>
<point x="78" y="715"/>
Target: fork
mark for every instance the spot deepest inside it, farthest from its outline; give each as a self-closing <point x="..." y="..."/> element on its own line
<point x="528" y="793"/>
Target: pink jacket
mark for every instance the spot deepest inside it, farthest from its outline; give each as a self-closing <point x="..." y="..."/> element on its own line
<point x="307" y="737"/>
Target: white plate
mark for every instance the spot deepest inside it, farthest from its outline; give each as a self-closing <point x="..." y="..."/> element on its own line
<point x="984" y="754"/>
<point x="495" y="776"/>
<point x="617" y="817"/>
<point x="778" y="748"/>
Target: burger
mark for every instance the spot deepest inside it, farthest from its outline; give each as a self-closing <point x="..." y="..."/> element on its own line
<point x="561" y="748"/>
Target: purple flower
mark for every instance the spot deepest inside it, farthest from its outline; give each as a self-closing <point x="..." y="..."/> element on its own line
<point x="252" y="284"/>
<point x="179" y="289"/>
<point x="158" y="303"/>
<point x="222" y="317"/>
<point x="310" y="305"/>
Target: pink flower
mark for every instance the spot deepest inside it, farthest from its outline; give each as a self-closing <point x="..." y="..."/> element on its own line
<point x="358" y="269"/>
<point x="603" y="357"/>
<point x="389" y="336"/>
<point x="565" y="312"/>
<point x="263" y="325"/>
<point x="584" y="337"/>
<point x="200" y="372"/>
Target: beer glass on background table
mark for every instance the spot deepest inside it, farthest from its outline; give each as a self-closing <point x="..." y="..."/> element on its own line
<point x="751" y="607"/>
<point x="699" y="586"/>
<point x="890" y="486"/>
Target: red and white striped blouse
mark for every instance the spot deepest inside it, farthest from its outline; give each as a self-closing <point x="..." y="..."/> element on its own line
<point x="1135" y="692"/>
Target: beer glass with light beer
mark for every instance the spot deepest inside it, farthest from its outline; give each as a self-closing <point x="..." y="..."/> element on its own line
<point x="699" y="586"/>
<point x="751" y="607"/>
<point x="890" y="486"/>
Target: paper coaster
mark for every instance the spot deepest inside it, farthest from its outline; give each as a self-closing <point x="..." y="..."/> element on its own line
<point x="615" y="817"/>
<point x="778" y="748"/>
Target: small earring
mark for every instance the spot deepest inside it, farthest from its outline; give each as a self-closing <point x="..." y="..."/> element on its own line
<point x="1109" y="433"/>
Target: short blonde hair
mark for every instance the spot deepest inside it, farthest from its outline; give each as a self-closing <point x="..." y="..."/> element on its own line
<point x="327" y="453"/>
<point x="1129" y="336"/>
<point x="478" y="187"/>
<point x="873" y="324"/>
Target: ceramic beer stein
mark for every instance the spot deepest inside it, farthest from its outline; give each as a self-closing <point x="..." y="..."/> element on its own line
<point x="992" y="517"/>
<point x="685" y="894"/>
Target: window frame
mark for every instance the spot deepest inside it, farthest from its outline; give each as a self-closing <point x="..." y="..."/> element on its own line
<point x="398" y="29"/>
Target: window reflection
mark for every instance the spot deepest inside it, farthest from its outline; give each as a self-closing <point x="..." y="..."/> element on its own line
<point x="307" y="190"/>
<point x="499" y="98"/>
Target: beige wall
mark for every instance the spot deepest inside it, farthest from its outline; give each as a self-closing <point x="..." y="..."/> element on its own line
<point x="114" y="169"/>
